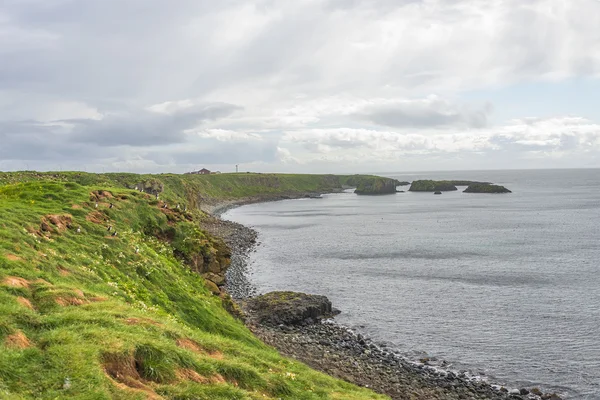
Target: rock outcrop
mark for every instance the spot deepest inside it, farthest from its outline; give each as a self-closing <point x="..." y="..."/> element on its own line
<point x="486" y="188"/>
<point x="377" y="186"/>
<point x="432" y="186"/>
<point x="428" y="185"/>
<point x="288" y="308"/>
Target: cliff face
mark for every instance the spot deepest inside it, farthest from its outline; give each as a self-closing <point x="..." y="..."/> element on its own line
<point x="376" y="186"/>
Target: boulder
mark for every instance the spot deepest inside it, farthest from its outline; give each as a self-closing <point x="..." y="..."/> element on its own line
<point x="437" y="192"/>
<point x="216" y="279"/>
<point x="212" y="287"/>
<point x="289" y="308"/>
<point x="214" y="266"/>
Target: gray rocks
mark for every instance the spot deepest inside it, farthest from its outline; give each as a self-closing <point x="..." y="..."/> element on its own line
<point x="289" y="308"/>
<point x="340" y="352"/>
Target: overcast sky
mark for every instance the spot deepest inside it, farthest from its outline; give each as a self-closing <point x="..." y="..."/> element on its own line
<point x="299" y="85"/>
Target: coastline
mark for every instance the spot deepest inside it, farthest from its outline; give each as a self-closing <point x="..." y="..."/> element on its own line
<point x="220" y="207"/>
<point x="339" y="351"/>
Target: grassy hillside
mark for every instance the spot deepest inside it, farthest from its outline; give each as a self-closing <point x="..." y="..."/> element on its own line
<point x="195" y="189"/>
<point x="85" y="314"/>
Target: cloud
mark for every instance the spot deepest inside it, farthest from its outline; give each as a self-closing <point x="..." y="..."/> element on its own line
<point x="145" y="84"/>
<point x="164" y="124"/>
<point x="429" y="112"/>
<point x="426" y="112"/>
<point x="562" y="137"/>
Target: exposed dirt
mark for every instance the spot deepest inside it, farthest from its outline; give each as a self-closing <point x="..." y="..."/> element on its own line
<point x="25" y="302"/>
<point x="17" y="340"/>
<point x="15" y="281"/>
<point x="55" y="223"/>
<point x="96" y="217"/>
<point x="12" y="257"/>
<point x="69" y="301"/>
<point x="190" y="345"/>
<point x="121" y="371"/>
<point x="217" y="378"/>
<point x="98" y="195"/>
<point x="185" y="374"/>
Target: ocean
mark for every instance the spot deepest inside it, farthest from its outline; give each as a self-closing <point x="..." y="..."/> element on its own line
<point x="506" y="287"/>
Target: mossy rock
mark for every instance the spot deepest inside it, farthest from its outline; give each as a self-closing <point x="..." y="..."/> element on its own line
<point x="289" y="308"/>
<point x="377" y="186"/>
<point x="486" y="188"/>
<point x="432" y="186"/>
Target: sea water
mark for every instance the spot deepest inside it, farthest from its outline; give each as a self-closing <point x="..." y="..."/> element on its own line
<point x="504" y="286"/>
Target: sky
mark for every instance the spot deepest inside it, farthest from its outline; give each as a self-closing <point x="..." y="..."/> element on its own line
<point x="299" y="85"/>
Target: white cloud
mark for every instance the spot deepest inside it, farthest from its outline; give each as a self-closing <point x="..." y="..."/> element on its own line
<point x="224" y="135"/>
<point x="335" y="81"/>
<point x="561" y="137"/>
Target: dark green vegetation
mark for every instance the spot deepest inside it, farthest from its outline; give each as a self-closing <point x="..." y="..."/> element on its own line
<point x="199" y="189"/>
<point x="446" y="186"/>
<point x="88" y="315"/>
<point x="432" y="186"/>
<point x="377" y="186"/>
<point x="486" y="188"/>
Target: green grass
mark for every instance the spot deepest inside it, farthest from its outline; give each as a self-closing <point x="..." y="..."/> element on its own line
<point x="196" y="188"/>
<point x="89" y="316"/>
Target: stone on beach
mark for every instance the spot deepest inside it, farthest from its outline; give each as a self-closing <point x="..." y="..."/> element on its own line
<point x="289" y="308"/>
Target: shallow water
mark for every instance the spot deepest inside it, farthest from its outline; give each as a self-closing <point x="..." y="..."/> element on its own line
<point x="505" y="286"/>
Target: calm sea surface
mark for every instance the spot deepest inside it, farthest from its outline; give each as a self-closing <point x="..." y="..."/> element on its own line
<point x="504" y="286"/>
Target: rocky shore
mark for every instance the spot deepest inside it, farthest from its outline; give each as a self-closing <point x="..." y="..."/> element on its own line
<point x="339" y="351"/>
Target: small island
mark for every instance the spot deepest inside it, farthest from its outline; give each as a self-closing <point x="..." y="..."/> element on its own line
<point x="376" y="186"/>
<point x="485" y="188"/>
<point x="437" y="187"/>
<point x="432" y="186"/>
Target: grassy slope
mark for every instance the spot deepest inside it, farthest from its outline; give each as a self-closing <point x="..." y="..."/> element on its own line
<point x="82" y="315"/>
<point x="193" y="188"/>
